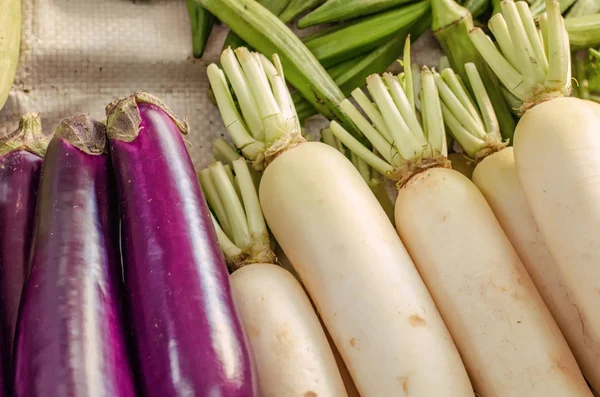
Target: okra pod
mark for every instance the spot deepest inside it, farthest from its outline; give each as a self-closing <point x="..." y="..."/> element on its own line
<point x="275" y="6"/>
<point x="202" y="23"/>
<point x="297" y="7"/>
<point x="342" y="10"/>
<point x="365" y="35"/>
<point x="584" y="31"/>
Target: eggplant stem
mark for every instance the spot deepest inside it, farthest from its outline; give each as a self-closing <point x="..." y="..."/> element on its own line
<point x="85" y="133"/>
<point x="28" y="136"/>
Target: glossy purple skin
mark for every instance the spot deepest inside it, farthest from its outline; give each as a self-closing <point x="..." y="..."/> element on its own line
<point x="19" y="179"/>
<point x="70" y="338"/>
<point x="190" y="341"/>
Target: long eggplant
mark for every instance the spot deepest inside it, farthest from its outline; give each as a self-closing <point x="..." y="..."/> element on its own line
<point x="188" y="337"/>
<point x="21" y="156"/>
<point x="70" y="337"/>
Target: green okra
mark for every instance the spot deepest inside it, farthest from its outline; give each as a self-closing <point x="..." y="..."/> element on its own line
<point x="352" y="74"/>
<point x="297" y="7"/>
<point x="365" y="35"/>
<point x="584" y="31"/>
<point x="342" y="10"/>
<point x="202" y="23"/>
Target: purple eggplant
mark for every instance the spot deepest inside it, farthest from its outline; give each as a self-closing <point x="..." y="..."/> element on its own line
<point x="189" y="339"/>
<point x="70" y="337"/>
<point x="21" y="156"/>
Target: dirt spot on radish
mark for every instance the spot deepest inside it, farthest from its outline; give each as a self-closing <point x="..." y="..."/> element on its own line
<point x="353" y="343"/>
<point x="498" y="287"/>
<point x="253" y="331"/>
<point x="417" y="321"/>
<point x="311" y="394"/>
<point x="518" y="297"/>
<point x="404" y="382"/>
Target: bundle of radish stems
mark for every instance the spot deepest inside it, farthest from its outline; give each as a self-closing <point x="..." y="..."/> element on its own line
<point x="284" y="268"/>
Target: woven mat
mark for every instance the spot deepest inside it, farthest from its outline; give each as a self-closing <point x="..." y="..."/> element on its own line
<point x="79" y="55"/>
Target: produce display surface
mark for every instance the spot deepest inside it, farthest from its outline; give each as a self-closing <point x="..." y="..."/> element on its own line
<point x="311" y="198"/>
<point x="77" y="56"/>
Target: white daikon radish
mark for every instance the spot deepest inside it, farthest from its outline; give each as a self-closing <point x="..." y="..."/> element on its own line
<point x="227" y="154"/>
<point x="508" y="340"/>
<point x="496" y="177"/>
<point x="556" y="159"/>
<point x="290" y="348"/>
<point x="340" y="241"/>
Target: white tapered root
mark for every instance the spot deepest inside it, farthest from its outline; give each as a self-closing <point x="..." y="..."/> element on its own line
<point x="365" y="286"/>
<point x="508" y="340"/>
<point x="292" y="355"/>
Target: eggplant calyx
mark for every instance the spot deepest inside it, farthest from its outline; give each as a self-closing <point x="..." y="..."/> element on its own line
<point x="28" y="136"/>
<point x="124" y="117"/>
<point x="83" y="132"/>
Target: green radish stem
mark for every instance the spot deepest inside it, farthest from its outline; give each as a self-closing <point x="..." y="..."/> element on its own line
<point x="267" y="111"/>
<point x="223" y="152"/>
<point x="533" y="66"/>
<point x="403" y="146"/>
<point x="471" y="122"/>
<point x="343" y="10"/>
<point x="451" y="26"/>
<point x="241" y="228"/>
<point x="371" y="176"/>
<point x="265" y="32"/>
<point x="226" y="154"/>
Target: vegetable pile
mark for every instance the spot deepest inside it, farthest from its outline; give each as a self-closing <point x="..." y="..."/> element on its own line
<point x="285" y="268"/>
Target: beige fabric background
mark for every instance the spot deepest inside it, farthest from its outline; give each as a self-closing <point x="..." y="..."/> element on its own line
<point x="78" y="55"/>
